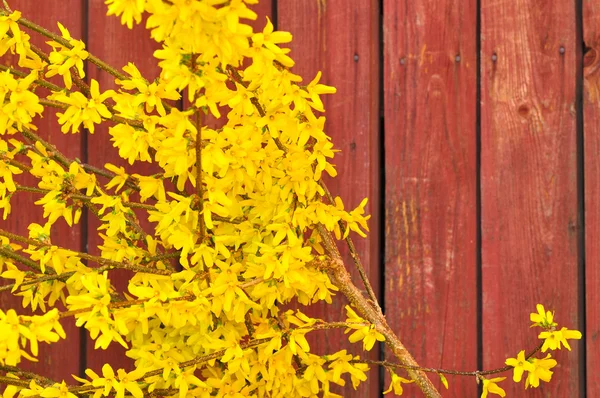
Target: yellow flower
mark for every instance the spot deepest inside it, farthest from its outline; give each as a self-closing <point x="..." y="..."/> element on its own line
<point x="541" y="371"/>
<point x="554" y="339"/>
<point x="265" y="45"/>
<point x="119" y="179"/>
<point x="490" y="387"/>
<point x="396" y="384"/>
<point x="63" y="58"/>
<point x="520" y="364"/>
<point x="23" y="104"/>
<point x="129" y="10"/>
<point x="58" y="390"/>
<point x="314" y="89"/>
<point x="543" y="318"/>
<point x="9" y="22"/>
<point x="133" y="144"/>
<point x="365" y="332"/>
<point x="83" y="110"/>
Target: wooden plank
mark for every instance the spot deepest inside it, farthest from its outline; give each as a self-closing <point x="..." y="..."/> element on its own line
<point x="59" y="360"/>
<point x="116" y="45"/>
<point x="430" y="70"/>
<point x="529" y="180"/>
<point x="591" y="130"/>
<point x="342" y="42"/>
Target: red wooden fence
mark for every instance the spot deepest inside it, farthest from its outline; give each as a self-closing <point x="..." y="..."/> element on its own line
<point x="474" y="128"/>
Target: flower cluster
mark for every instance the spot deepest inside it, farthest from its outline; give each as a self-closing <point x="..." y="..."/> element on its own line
<point x="538" y="369"/>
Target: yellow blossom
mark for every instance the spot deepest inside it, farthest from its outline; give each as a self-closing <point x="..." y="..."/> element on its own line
<point x="541" y="371"/>
<point x="129" y="10"/>
<point x="554" y="338"/>
<point x="520" y="365"/>
<point x="396" y="384"/>
<point x="542" y="318"/>
<point x="63" y="58"/>
<point x="490" y="386"/>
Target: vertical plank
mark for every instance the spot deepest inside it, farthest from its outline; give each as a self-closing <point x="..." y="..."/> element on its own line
<point x="61" y="359"/>
<point x="343" y="43"/>
<point x="591" y="125"/>
<point x="116" y="45"/>
<point x="430" y="77"/>
<point x="529" y="179"/>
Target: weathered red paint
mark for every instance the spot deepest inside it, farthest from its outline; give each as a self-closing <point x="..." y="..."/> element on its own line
<point x="430" y="69"/>
<point x="591" y="145"/>
<point x="529" y="180"/>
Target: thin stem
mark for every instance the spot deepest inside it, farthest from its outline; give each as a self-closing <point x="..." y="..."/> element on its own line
<point x="342" y="280"/>
<point x="28" y="375"/>
<point x="108" y="174"/>
<point x="15" y="163"/>
<point x="85" y="256"/>
<point x="120" y="304"/>
<point x="165" y="256"/>
<point x="46" y="278"/>
<point x="6" y="6"/>
<point x="39" y="82"/>
<point x="13" y="382"/>
<point x="60" y="40"/>
<point x="91" y="58"/>
<point x="23" y="260"/>
<point x="62" y="159"/>
<point x="132" y="205"/>
<point x="52" y="150"/>
<point x="447" y="371"/>
<point x="198" y="149"/>
<point x="113" y="118"/>
<point x="354" y="254"/>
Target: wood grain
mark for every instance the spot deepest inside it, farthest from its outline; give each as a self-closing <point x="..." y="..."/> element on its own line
<point x="59" y="360"/>
<point x="591" y="144"/>
<point x="430" y="70"/>
<point x="529" y="180"/>
<point x="342" y="42"/>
